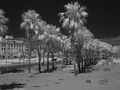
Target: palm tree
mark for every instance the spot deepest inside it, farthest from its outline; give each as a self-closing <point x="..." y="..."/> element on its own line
<point x="3" y="21"/>
<point x="3" y="26"/>
<point x="97" y="48"/>
<point x="91" y="47"/>
<point x="31" y="23"/>
<point x="52" y="41"/>
<point x="66" y="46"/>
<point x="82" y="37"/>
<point x="39" y="38"/>
<point x="73" y="19"/>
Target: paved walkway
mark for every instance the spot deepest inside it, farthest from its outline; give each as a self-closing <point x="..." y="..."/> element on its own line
<point x="102" y="79"/>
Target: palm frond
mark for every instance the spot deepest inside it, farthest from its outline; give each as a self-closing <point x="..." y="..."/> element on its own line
<point x="66" y="22"/>
<point x="32" y="21"/>
<point x="74" y="17"/>
<point x="3" y="21"/>
<point x="3" y="29"/>
<point x="2" y="12"/>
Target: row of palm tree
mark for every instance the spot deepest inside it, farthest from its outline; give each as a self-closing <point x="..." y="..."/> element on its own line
<point x="31" y="23"/>
<point x="78" y="41"/>
<point x="46" y="34"/>
<point x="72" y="20"/>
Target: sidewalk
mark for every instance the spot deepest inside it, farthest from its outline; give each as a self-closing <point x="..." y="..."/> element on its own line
<point x="64" y="80"/>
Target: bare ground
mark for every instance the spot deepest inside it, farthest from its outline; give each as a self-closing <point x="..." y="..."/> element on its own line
<point x="102" y="77"/>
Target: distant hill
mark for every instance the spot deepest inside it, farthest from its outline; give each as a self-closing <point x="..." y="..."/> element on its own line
<point x="113" y="41"/>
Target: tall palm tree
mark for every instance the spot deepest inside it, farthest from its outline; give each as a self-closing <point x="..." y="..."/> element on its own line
<point x="31" y="23"/>
<point x="73" y="19"/>
<point x="39" y="38"/>
<point x="3" y="21"/>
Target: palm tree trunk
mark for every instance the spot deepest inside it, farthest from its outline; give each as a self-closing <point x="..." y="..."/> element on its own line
<point x="43" y="60"/>
<point x="79" y="63"/>
<point x="82" y="64"/>
<point x="29" y="57"/>
<point x="30" y="44"/>
<point x="39" y="58"/>
<point x="72" y="46"/>
<point x="48" y="61"/>
<point x="79" y="59"/>
<point x="75" y="67"/>
<point x="53" y="64"/>
<point x="79" y="66"/>
<point x="85" y="60"/>
<point x="89" y="58"/>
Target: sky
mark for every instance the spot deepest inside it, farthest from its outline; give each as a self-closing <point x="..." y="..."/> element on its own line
<point x="103" y="19"/>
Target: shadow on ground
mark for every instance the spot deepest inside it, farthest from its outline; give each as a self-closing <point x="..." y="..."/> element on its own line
<point x="11" y="86"/>
<point x="50" y="70"/>
<point x="15" y="70"/>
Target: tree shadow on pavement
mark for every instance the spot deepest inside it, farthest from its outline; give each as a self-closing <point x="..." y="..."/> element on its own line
<point x="50" y="70"/>
<point x="15" y="70"/>
<point x="11" y="86"/>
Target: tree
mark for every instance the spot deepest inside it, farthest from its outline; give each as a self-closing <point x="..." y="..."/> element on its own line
<point x="97" y="50"/>
<point x="66" y="46"/>
<point x="39" y="39"/>
<point x="73" y="19"/>
<point x="3" y="21"/>
<point x="53" y="43"/>
<point x="81" y="38"/>
<point x="31" y="23"/>
<point x="90" y="47"/>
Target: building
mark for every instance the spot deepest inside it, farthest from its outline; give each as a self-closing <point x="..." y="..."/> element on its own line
<point x="12" y="47"/>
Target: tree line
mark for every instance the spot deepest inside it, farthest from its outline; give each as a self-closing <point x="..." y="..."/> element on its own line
<point x="76" y="41"/>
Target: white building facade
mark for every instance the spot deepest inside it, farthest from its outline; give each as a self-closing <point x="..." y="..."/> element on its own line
<point x="11" y="47"/>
